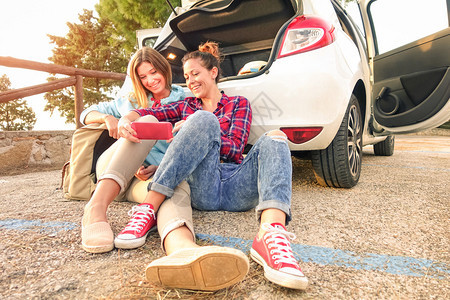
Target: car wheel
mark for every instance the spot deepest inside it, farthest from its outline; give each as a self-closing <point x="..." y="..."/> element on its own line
<point x="339" y="165"/>
<point x="385" y="148"/>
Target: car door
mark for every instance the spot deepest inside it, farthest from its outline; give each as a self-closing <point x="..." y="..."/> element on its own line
<point x="409" y="51"/>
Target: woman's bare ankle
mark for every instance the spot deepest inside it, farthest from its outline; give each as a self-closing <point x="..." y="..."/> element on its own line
<point x="179" y="238"/>
<point x="94" y="212"/>
<point x="182" y="246"/>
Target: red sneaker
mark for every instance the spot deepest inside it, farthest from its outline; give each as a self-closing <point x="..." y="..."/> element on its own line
<point x="143" y="220"/>
<point x="274" y="253"/>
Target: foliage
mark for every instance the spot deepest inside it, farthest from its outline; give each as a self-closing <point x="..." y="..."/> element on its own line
<point x="102" y="43"/>
<point x="90" y="44"/>
<point x="131" y="15"/>
<point x="16" y="114"/>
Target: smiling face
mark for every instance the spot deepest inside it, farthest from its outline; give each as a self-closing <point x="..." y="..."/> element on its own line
<point x="199" y="79"/>
<point x="152" y="80"/>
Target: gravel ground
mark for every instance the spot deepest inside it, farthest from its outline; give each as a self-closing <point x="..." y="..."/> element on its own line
<point x="399" y="208"/>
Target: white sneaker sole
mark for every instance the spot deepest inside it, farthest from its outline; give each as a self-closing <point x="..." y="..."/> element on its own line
<point x="208" y="268"/>
<point x="133" y="243"/>
<point x="280" y="278"/>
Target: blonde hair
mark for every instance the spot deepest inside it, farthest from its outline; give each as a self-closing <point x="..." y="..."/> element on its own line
<point x="209" y="54"/>
<point x="161" y="66"/>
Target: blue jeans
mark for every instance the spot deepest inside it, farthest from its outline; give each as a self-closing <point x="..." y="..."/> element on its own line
<point x="263" y="180"/>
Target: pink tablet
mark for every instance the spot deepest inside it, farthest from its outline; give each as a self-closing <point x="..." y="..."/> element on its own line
<point x="153" y="130"/>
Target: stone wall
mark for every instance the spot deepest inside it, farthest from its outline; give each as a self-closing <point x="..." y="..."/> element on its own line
<point x="22" y="151"/>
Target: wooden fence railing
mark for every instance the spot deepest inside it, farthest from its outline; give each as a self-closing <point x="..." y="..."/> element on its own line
<point x="75" y="79"/>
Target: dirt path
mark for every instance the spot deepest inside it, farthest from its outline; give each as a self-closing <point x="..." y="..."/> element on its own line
<point x="386" y="238"/>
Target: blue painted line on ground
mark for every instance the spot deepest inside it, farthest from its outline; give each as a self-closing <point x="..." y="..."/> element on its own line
<point x="37" y="225"/>
<point x="397" y="265"/>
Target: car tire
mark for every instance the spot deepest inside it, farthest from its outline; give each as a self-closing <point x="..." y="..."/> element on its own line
<point x="386" y="147"/>
<point x="339" y="165"/>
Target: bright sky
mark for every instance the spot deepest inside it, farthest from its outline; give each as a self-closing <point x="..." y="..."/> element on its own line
<point x="24" y="25"/>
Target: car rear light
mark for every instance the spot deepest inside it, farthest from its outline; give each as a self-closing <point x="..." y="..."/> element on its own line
<point x="300" y="135"/>
<point x="306" y="33"/>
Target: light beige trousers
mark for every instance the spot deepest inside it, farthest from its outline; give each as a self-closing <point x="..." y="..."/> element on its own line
<point x="121" y="161"/>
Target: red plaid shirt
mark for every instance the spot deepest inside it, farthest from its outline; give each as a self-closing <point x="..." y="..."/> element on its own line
<point x="234" y="114"/>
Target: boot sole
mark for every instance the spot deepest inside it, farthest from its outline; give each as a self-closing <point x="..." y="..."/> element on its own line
<point x="207" y="268"/>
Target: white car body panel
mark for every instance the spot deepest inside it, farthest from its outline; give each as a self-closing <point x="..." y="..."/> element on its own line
<point x="323" y="9"/>
<point x="318" y="86"/>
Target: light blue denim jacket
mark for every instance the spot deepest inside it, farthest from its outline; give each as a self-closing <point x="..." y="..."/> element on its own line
<point x="121" y="105"/>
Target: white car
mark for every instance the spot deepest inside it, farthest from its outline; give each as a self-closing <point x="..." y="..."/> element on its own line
<point x="308" y="70"/>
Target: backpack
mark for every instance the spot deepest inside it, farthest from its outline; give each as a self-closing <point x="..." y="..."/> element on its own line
<point x="78" y="174"/>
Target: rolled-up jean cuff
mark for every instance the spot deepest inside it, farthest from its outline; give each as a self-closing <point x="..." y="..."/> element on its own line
<point x="172" y="225"/>
<point x="153" y="186"/>
<point x="273" y="204"/>
<point x="117" y="177"/>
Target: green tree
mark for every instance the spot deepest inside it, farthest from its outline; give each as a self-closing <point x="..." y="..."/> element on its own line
<point x="16" y="114"/>
<point x="131" y="15"/>
<point x="90" y="44"/>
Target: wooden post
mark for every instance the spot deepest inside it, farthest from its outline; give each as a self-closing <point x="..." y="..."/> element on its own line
<point x="78" y="99"/>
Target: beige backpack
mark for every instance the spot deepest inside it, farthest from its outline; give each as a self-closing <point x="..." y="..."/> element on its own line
<point x="88" y="143"/>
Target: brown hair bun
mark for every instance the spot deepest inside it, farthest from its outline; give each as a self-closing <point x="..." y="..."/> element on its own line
<point x="209" y="55"/>
<point x="211" y="48"/>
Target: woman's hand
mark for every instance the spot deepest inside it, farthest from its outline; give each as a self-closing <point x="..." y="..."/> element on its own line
<point x="145" y="173"/>
<point x="112" y="125"/>
<point x="176" y="128"/>
<point x="126" y="131"/>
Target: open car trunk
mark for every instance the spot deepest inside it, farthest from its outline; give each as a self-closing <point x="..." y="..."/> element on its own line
<point x="245" y="30"/>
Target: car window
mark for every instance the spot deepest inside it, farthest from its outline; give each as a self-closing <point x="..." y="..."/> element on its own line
<point x="399" y="22"/>
<point x="149" y="42"/>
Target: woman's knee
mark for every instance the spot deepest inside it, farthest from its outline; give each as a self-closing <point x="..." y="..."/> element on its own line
<point x="274" y="141"/>
<point x="182" y="195"/>
<point x="277" y="135"/>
